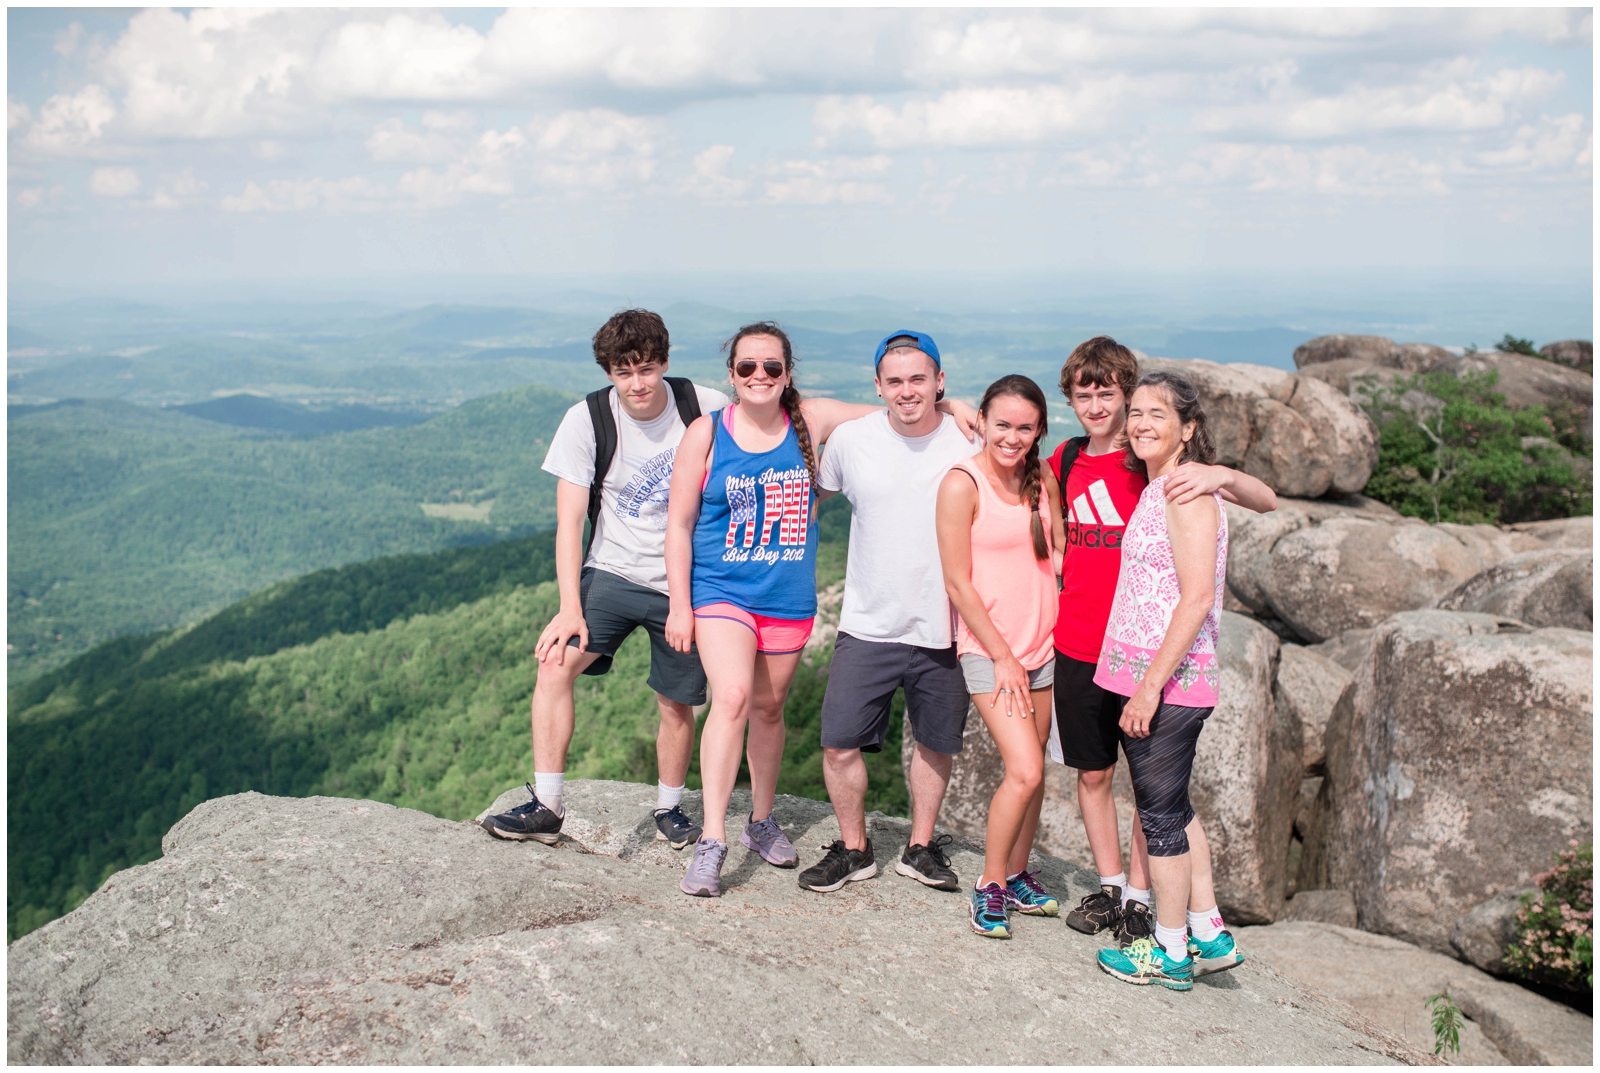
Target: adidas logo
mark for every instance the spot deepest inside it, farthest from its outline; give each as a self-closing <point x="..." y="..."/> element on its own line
<point x="1097" y="526"/>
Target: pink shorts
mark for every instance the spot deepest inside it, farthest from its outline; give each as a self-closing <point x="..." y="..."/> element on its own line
<point x="774" y="636"/>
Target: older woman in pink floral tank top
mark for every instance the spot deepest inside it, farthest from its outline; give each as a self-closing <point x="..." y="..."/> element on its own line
<point x="1160" y="651"/>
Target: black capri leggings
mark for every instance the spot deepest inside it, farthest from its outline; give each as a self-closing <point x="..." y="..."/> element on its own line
<point x="1159" y="767"/>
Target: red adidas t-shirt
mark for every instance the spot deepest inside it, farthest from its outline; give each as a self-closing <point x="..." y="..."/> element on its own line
<point x="1098" y="500"/>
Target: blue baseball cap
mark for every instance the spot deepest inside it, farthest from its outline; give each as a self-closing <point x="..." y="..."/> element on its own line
<point x="922" y="342"/>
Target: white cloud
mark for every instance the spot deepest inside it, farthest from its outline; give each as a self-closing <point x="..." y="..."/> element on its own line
<point x="1549" y="143"/>
<point x="70" y="124"/>
<point x="405" y="57"/>
<point x="993" y="115"/>
<point x="711" y="181"/>
<point x="68" y="39"/>
<point x="35" y="197"/>
<point x="1340" y="169"/>
<point x="177" y="190"/>
<point x="298" y="195"/>
<point x="17" y="114"/>
<point x="486" y="170"/>
<point x="114" y="182"/>
<point x="393" y="140"/>
<point x="593" y="150"/>
<point x="268" y="150"/>
<point x="841" y="180"/>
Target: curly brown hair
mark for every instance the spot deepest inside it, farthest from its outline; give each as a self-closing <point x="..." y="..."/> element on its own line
<point x="1100" y="362"/>
<point x="631" y="337"/>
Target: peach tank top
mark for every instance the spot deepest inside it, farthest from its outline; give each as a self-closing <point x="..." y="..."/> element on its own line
<point x="1018" y="591"/>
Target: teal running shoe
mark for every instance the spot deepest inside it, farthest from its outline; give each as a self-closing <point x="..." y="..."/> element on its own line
<point x="989" y="912"/>
<point x="1219" y="954"/>
<point x="1026" y="895"/>
<point x="1145" y="962"/>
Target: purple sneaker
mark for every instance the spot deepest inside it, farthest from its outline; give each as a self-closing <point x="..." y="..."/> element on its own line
<point x="704" y="877"/>
<point x="767" y="839"/>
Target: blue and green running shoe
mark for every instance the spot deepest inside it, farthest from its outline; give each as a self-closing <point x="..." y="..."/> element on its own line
<point x="1218" y="954"/>
<point x="989" y="912"/>
<point x="1028" y="896"/>
<point x="1145" y="962"/>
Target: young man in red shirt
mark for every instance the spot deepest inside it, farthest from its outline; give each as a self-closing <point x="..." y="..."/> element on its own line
<point x="1098" y="495"/>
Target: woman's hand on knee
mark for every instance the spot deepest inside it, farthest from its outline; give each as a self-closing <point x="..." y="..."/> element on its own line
<point x="1138" y="712"/>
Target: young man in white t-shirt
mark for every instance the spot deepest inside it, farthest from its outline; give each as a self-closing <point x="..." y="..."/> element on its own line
<point x="622" y="583"/>
<point x="895" y="623"/>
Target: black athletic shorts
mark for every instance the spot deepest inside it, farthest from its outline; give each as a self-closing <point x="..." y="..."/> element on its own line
<point x="1086" y="716"/>
<point x="613" y="608"/>
<point x="861" y="683"/>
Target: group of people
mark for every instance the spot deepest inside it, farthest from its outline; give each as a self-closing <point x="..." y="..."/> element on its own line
<point x="1074" y="602"/>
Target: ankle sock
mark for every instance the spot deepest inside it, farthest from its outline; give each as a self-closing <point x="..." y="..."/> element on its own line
<point x="1206" y="925"/>
<point x="1175" y="941"/>
<point x="669" y="796"/>
<point x="1134" y="894"/>
<point x="549" y="786"/>
<point x="1120" y="881"/>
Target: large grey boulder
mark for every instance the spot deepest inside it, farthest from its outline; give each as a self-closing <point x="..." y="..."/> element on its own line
<point x="1458" y="763"/>
<point x="1552" y="587"/>
<point x="1390" y="981"/>
<point x="1348" y="649"/>
<point x="1295" y="433"/>
<point x="1481" y="934"/>
<point x="1369" y="350"/>
<point x="1526" y="381"/>
<point x="283" y="931"/>
<point x="1323" y="568"/>
<point x="1574" y="353"/>
<point x="1309" y="685"/>
<point x="1560" y="532"/>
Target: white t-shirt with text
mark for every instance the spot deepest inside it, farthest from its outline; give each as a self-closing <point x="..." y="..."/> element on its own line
<point x="894" y="584"/>
<point x="631" y="534"/>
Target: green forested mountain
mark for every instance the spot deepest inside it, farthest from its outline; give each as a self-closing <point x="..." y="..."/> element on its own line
<point x="127" y="518"/>
<point x="406" y="679"/>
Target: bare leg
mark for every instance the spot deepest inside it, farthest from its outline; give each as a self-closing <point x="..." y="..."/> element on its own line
<point x="552" y="708"/>
<point x="770" y="689"/>
<point x="1018" y="743"/>
<point x="930" y="776"/>
<point x="728" y="654"/>
<point x="674" y="741"/>
<point x="1202" y="891"/>
<point x="1171" y="878"/>
<point x="1139" y="857"/>
<point x="1099" y="811"/>
<point x="1018" y="861"/>
<point x="845" y="773"/>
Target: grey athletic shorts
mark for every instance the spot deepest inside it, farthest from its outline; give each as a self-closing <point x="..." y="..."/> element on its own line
<point x="614" y="607"/>
<point x="979" y="674"/>
<point x="861" y="684"/>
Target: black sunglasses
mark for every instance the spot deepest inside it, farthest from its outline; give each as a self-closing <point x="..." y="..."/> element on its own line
<point x="747" y="369"/>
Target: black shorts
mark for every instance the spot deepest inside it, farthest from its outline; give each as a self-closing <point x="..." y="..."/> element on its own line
<point x="613" y="608"/>
<point x="861" y="684"/>
<point x="1086" y="716"/>
<point x="1159" y="767"/>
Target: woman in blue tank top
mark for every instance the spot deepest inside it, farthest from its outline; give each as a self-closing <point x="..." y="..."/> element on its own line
<point x="742" y="578"/>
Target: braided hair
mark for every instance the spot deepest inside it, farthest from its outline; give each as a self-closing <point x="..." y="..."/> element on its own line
<point x="1029" y="392"/>
<point x="790" y="399"/>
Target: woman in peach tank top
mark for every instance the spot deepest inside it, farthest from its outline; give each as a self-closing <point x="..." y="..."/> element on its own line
<point x="1000" y="558"/>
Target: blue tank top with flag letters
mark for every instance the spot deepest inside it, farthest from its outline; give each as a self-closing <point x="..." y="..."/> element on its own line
<point x="755" y="545"/>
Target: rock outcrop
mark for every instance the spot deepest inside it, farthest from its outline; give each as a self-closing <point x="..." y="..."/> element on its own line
<point x="322" y="930"/>
<point x="1323" y="567"/>
<point x="1458" y="763"/>
<point x="1573" y="353"/>
<point x="1295" y="433"/>
<point x="1390" y="981"/>
<point x="1309" y="685"/>
<point x="1526" y="381"/>
<point x="1552" y="587"/>
<point x="1560" y="532"/>
<point x="1482" y="934"/>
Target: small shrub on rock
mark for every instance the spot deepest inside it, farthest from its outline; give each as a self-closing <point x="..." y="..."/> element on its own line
<point x="1554" y="941"/>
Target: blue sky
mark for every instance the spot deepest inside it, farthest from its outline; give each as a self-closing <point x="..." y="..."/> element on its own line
<point x="222" y="144"/>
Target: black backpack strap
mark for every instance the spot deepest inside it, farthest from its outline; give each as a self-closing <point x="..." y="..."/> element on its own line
<point x="683" y="393"/>
<point x="605" y="449"/>
<point x="1069" y="455"/>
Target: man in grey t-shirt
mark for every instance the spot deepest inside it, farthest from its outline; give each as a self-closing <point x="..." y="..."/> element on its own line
<point x="895" y="624"/>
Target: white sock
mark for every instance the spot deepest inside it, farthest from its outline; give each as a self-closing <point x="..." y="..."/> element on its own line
<point x="1134" y="894"/>
<point x="668" y="796"/>
<point x="549" y="785"/>
<point x="1175" y="941"/>
<point x="1206" y="925"/>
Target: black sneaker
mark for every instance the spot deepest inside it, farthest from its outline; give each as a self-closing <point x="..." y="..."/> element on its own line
<point x="674" y="828"/>
<point x="533" y="820"/>
<point x="929" y="864"/>
<point x="1134" y="925"/>
<point x="839" y="867"/>
<point x="1097" y="911"/>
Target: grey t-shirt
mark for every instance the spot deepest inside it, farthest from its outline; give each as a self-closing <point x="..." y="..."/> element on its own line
<point x="894" y="583"/>
<point x="631" y="534"/>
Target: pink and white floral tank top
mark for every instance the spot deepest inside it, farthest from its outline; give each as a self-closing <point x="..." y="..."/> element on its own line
<point x="1147" y="594"/>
